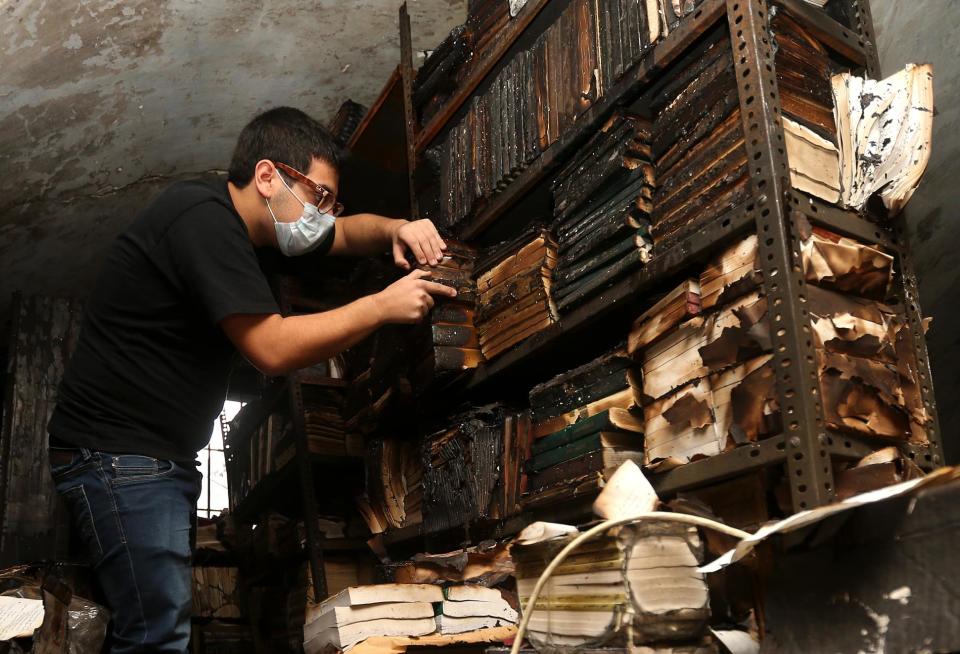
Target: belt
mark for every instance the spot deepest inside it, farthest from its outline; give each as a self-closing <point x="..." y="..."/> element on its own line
<point x="62" y="457"/>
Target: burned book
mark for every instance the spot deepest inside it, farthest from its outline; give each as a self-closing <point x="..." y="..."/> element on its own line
<point x="448" y="344"/>
<point x="675" y="307"/>
<point x="487" y="18"/>
<point x="709" y="384"/>
<point x="698" y="144"/>
<point x="884" y="129"/>
<point x="605" y="376"/>
<point x="437" y="77"/>
<point x="461" y="465"/>
<point x="346" y="121"/>
<point x="514" y="291"/>
<point x="804" y="69"/>
<point x="637" y="586"/>
<point x="602" y="207"/>
<point x="394" y="489"/>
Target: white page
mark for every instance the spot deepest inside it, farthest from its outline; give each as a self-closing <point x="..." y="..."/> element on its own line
<point x="19" y="617"/>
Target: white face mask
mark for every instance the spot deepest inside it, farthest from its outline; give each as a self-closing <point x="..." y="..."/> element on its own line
<point x="305" y="233"/>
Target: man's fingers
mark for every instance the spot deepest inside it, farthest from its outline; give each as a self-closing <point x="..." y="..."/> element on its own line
<point x="419" y="274"/>
<point x="414" y="246"/>
<point x="439" y="289"/>
<point x="399" y="257"/>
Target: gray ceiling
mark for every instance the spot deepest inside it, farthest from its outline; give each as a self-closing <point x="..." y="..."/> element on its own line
<point x="104" y="102"/>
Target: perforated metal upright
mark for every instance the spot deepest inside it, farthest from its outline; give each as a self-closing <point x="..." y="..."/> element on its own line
<point x="806" y="445"/>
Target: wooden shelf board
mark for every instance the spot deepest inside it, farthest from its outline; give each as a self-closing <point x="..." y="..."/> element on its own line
<point x="393" y="83"/>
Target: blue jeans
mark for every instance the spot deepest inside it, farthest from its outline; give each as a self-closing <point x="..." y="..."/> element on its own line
<point x="134" y="516"/>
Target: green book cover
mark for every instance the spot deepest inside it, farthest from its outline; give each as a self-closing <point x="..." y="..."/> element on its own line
<point x="572" y="433"/>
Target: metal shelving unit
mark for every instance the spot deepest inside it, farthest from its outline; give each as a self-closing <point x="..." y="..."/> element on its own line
<point x="776" y="213"/>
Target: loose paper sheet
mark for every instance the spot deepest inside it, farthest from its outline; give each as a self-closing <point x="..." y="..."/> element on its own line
<point x="541" y="531"/>
<point x="805" y="518"/>
<point x="627" y="494"/>
<point x="19" y="617"/>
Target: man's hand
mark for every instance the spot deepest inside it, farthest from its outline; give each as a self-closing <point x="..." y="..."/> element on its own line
<point x="410" y="298"/>
<point x="422" y="239"/>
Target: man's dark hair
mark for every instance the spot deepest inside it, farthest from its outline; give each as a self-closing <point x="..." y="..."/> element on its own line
<point x="282" y="134"/>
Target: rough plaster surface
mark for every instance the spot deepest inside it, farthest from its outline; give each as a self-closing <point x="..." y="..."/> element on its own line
<point x="104" y="102"/>
<point x="929" y="31"/>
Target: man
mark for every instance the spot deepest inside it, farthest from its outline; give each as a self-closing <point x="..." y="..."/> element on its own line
<point x="179" y="293"/>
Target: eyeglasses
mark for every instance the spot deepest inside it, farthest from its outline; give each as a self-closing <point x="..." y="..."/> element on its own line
<point x="326" y="200"/>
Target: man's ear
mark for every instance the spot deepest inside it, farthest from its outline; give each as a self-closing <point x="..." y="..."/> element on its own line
<point x="263" y="176"/>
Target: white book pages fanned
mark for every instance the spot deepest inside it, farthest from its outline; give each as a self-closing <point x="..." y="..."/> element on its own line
<point x="884" y="129"/>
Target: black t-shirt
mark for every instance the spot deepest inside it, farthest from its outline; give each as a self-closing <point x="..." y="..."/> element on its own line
<point x="150" y="371"/>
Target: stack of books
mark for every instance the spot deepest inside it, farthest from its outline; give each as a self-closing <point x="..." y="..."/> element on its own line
<point x="697" y="143"/>
<point x="471" y="608"/>
<point x="437" y="77"/>
<point x="361" y="612"/>
<point x="448" y="344"/>
<point x="514" y="291"/>
<point x="405" y="610"/>
<point x="636" y="587"/>
<point x="583" y="429"/>
<point x="462" y="468"/>
<point x="394" y="485"/>
<point x="602" y="204"/>
<point x="708" y="380"/>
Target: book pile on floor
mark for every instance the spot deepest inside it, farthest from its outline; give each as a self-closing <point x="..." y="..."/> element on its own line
<point x="404" y="610"/>
<point x="602" y="203"/>
<point x="583" y="429"/>
<point x="708" y="380"/>
<point x="471" y="608"/>
<point x="638" y="586"/>
<point x="448" y="344"/>
<point x="514" y="294"/>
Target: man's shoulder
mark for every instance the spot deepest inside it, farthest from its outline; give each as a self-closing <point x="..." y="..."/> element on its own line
<point x="203" y="202"/>
<point x="182" y="196"/>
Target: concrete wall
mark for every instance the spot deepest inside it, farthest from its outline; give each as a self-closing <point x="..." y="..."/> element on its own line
<point x="929" y="31"/>
<point x="104" y="102"/>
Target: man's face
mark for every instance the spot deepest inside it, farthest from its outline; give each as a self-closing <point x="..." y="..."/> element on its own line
<point x="288" y="208"/>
